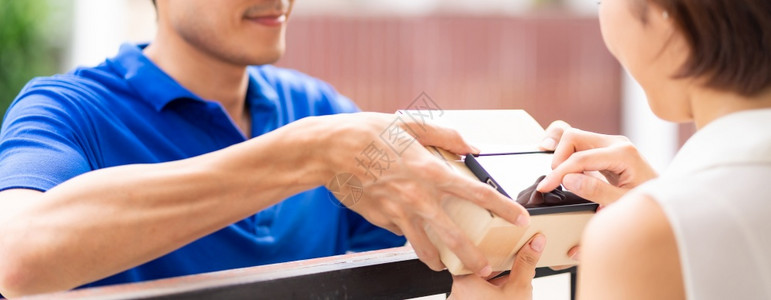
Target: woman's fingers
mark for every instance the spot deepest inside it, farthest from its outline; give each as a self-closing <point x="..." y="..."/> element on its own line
<point x="554" y="134"/>
<point x="576" y="140"/>
<point x="597" y="159"/>
<point x="591" y="188"/>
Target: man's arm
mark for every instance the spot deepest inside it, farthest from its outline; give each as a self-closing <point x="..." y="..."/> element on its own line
<point x="109" y="220"/>
<point x="629" y="252"/>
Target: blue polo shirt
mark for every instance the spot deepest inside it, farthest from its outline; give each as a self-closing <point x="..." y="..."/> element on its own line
<point x="128" y="111"/>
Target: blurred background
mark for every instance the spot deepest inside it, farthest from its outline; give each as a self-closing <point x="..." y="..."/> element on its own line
<point x="544" y="56"/>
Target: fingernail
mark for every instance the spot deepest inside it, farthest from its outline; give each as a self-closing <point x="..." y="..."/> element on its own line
<point x="475" y="150"/>
<point x="548" y="144"/>
<point x="522" y="221"/>
<point x="486" y="271"/>
<point x="541" y="184"/>
<point x="572" y="182"/>
<point x="576" y="256"/>
<point x="538" y="243"/>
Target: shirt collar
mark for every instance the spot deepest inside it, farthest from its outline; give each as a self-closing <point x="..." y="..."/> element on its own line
<point x="158" y="89"/>
<point x="738" y="138"/>
<point x="152" y="84"/>
<point x="260" y="92"/>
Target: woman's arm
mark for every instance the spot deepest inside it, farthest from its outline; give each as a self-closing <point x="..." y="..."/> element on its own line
<point x="629" y="252"/>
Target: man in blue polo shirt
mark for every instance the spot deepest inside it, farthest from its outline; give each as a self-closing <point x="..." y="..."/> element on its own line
<point x="176" y="158"/>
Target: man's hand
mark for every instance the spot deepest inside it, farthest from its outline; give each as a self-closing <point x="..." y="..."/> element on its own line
<point x="517" y="285"/>
<point x="598" y="167"/>
<point x="404" y="185"/>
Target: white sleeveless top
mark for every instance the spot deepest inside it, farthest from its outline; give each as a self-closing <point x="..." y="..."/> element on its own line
<point x="716" y="195"/>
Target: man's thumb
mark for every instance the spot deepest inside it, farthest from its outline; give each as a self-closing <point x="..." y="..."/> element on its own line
<point x="523" y="270"/>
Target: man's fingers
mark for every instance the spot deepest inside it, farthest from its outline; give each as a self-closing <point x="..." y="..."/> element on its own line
<point x="470" y="287"/>
<point x="554" y="134"/>
<point x="573" y="254"/>
<point x="457" y="242"/>
<point x="423" y="247"/>
<point x="523" y="270"/>
<point x="385" y="223"/>
<point x="441" y="137"/>
<point x="561" y="267"/>
<point x="485" y="196"/>
<point x="518" y="284"/>
<point x="499" y="281"/>
<point x="592" y="188"/>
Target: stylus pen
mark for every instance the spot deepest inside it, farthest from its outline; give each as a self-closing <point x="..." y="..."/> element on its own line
<point x="514" y="153"/>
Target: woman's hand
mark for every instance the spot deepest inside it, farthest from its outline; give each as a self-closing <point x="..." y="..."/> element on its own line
<point x="403" y="186"/>
<point x="597" y="167"/>
<point x="516" y="286"/>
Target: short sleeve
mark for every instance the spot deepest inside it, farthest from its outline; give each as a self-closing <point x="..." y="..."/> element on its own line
<point x="330" y="101"/>
<point x="340" y="104"/>
<point x="308" y="96"/>
<point x="38" y="145"/>
<point x="363" y="236"/>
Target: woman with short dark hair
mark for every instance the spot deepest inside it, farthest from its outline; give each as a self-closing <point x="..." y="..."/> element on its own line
<point x="700" y="229"/>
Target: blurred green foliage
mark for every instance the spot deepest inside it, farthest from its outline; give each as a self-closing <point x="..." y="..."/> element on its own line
<point x="25" y="51"/>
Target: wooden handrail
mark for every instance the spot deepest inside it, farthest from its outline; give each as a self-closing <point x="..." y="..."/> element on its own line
<point x="384" y="274"/>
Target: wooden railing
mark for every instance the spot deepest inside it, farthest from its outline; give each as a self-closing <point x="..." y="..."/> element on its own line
<point x="385" y="274"/>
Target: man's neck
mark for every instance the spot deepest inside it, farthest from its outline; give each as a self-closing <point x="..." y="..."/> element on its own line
<point x="204" y="75"/>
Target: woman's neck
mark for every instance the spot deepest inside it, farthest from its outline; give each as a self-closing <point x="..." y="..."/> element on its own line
<point x="708" y="104"/>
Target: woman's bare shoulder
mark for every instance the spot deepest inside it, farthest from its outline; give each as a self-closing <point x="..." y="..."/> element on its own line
<point x="629" y="251"/>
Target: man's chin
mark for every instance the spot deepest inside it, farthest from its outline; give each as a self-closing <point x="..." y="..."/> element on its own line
<point x="266" y="57"/>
